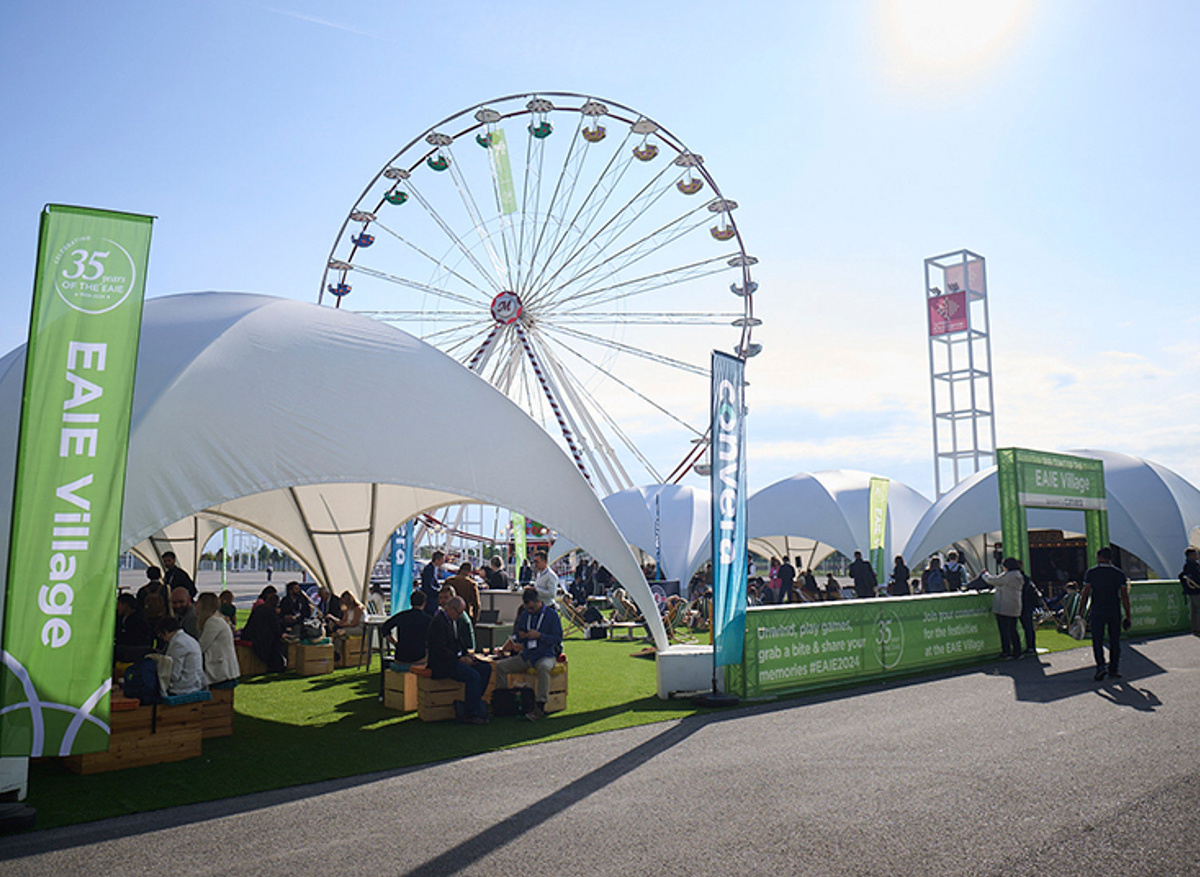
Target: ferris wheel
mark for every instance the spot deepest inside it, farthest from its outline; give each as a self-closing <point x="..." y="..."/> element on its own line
<point x="572" y="252"/>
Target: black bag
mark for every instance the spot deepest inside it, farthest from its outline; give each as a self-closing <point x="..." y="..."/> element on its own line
<point x="596" y="631"/>
<point x="512" y="701"/>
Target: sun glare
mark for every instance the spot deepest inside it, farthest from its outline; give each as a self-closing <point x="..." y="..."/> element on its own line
<point x="938" y="36"/>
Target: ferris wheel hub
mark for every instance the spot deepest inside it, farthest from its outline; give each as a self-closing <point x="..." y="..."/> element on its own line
<point x="507" y="308"/>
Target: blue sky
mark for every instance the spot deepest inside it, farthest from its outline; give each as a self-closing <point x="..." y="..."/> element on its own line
<point x="1058" y="140"/>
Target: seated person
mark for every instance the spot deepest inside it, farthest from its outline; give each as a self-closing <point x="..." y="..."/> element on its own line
<point x="328" y="607"/>
<point x="808" y="585"/>
<point x="349" y="624"/>
<point x="411" y="635"/>
<point x="536" y="642"/>
<point x="134" y="638"/>
<point x="182" y="608"/>
<point x="449" y="660"/>
<point x="264" y="630"/>
<point x="227" y="609"/>
<point x="216" y="641"/>
<point x="295" y="608"/>
<point x="187" y="664"/>
<point x="463" y="625"/>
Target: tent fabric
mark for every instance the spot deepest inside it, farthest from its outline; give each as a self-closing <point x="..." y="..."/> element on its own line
<point x="328" y="426"/>
<point x="821" y="512"/>
<point x="683" y="525"/>
<point x="1152" y="512"/>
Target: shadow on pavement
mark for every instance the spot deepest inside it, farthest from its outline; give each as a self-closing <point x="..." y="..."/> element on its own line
<point x="1031" y="682"/>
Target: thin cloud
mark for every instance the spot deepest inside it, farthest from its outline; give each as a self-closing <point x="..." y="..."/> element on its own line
<point x="324" y="22"/>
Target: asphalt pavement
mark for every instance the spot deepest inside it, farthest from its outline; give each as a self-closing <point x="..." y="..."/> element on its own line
<point x="1015" y="768"/>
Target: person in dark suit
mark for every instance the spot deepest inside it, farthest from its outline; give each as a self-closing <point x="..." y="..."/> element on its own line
<point x="429" y="581"/>
<point x="174" y="576"/>
<point x="133" y="638"/>
<point x="449" y="660"/>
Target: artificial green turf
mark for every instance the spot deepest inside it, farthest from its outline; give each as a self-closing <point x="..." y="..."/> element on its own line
<point x="290" y="730"/>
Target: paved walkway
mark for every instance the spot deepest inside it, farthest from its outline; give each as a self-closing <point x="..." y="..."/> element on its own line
<point x="1022" y="768"/>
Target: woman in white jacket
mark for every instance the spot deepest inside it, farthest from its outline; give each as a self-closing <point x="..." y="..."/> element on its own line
<point x="1006" y="605"/>
<point x="216" y="641"/>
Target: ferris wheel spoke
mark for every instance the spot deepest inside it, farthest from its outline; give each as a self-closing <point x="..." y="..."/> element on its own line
<point x="458" y="242"/>
<point x="591" y="297"/>
<point x="605" y="468"/>
<point x="472" y="206"/>
<point x="616" y="380"/>
<point x="663" y="318"/>
<point x="434" y="261"/>
<point x="617" y="224"/>
<point x="424" y="316"/>
<point x="414" y="284"/>
<point x="571" y="169"/>
<point x="473" y="326"/>
<point x="468" y="341"/>
<point x="589" y="208"/>
<point x="534" y="146"/>
<point x="660" y="358"/>
<point x="616" y="427"/>
<point x="637" y="250"/>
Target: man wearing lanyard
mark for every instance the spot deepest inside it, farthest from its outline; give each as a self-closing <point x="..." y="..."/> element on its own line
<point x="536" y="642"/>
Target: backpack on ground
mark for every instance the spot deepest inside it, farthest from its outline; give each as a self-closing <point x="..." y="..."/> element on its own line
<point x="512" y="701"/>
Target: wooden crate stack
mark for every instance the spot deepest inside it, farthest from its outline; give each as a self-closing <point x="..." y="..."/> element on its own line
<point x="310" y="660"/>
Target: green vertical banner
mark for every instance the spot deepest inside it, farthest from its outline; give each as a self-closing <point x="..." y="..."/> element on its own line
<point x="70" y="481"/>
<point x="878" y="526"/>
<point x="519" y="548"/>
<point x="502" y="170"/>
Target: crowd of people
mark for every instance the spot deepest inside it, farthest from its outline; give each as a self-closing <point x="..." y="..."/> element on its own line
<point x="167" y="617"/>
<point x="437" y="631"/>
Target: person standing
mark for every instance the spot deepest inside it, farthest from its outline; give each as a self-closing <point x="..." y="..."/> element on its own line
<point x="1109" y="590"/>
<point x="1031" y="598"/>
<point x="429" y="581"/>
<point x="787" y="577"/>
<point x="174" y="576"/>
<point x="465" y="586"/>
<point x="953" y="572"/>
<point x="546" y="581"/>
<point x="932" y="580"/>
<point x="1190" y="579"/>
<point x="1006" y="605"/>
<point x="898" y="586"/>
<point x="863" y="574"/>
<point x="497" y="576"/>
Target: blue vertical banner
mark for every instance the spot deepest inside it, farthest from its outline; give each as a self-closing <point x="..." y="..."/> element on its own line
<point x="402" y="567"/>
<point x="728" y="485"/>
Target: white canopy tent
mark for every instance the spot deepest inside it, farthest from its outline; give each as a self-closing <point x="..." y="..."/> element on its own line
<point x="320" y="431"/>
<point x="814" y="514"/>
<point x="683" y="517"/>
<point x="1152" y="512"/>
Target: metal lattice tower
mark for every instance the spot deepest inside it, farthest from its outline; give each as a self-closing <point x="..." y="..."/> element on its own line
<point x="960" y="367"/>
